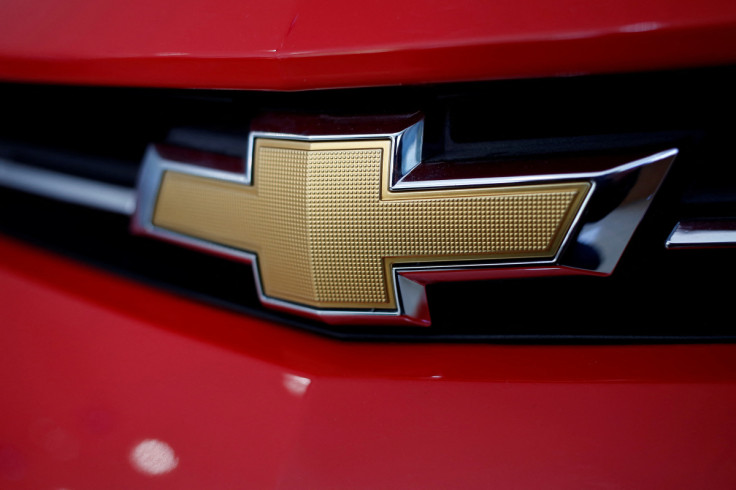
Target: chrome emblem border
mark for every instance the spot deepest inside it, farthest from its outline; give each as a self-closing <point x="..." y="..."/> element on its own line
<point x="602" y="225"/>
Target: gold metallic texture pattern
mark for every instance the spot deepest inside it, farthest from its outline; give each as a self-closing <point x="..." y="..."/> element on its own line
<point x="327" y="230"/>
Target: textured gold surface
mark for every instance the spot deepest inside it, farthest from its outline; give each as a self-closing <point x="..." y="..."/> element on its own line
<point x="327" y="230"/>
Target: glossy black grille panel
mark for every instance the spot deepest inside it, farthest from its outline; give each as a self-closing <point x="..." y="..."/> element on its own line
<point x="654" y="294"/>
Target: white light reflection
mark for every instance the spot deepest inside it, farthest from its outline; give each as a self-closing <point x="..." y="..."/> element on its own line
<point x="296" y="385"/>
<point x="153" y="457"/>
<point x="641" y="27"/>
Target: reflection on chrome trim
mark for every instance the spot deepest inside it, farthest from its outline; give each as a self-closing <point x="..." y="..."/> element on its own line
<point x="703" y="233"/>
<point x="529" y="178"/>
<point x="617" y="205"/>
<point x="67" y="188"/>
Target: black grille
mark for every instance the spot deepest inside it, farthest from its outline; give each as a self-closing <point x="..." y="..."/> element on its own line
<point x="654" y="294"/>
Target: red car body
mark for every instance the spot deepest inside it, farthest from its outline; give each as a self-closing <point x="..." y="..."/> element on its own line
<point x="94" y="365"/>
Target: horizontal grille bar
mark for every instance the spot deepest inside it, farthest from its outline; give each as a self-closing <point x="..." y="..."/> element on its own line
<point x="67" y="188"/>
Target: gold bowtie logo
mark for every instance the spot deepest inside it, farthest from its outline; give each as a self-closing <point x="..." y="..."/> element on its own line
<point x="327" y="230"/>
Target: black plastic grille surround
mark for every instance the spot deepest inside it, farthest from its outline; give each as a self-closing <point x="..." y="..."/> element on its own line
<point x="654" y="294"/>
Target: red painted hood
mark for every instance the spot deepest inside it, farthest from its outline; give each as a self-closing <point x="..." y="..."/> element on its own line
<point x="303" y="44"/>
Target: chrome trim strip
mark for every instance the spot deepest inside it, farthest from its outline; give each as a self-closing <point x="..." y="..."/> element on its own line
<point x="527" y="179"/>
<point x="67" y="188"/>
<point x="620" y="199"/>
<point x="703" y="233"/>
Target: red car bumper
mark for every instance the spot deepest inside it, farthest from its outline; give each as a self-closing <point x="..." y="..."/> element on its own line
<point x="94" y="365"/>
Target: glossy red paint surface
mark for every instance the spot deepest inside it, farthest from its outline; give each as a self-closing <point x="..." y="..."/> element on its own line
<point x="93" y="365"/>
<point x="289" y="44"/>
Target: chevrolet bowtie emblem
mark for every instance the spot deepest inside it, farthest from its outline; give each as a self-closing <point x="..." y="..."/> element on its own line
<point x="333" y="232"/>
